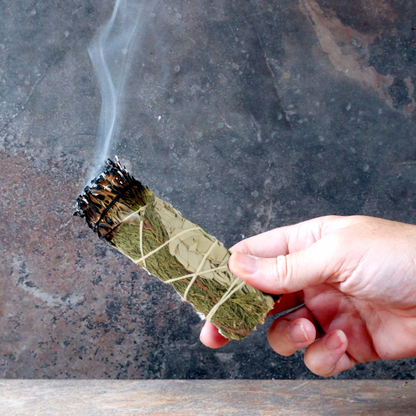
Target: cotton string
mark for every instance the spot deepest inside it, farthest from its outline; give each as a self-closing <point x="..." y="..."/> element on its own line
<point x="141" y="243"/>
<point x="227" y="295"/>
<point x="198" y="269"/>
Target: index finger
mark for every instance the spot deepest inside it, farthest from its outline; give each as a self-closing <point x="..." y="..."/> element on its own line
<point x="284" y="240"/>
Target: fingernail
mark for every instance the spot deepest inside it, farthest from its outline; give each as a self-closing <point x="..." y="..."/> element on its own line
<point x="247" y="264"/>
<point x="297" y="333"/>
<point x="335" y="340"/>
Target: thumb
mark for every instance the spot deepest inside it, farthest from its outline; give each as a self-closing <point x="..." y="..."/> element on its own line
<point x="283" y="274"/>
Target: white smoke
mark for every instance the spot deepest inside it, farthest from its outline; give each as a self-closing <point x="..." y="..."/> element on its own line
<point x="111" y="51"/>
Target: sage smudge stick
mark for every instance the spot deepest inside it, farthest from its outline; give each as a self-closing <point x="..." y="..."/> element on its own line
<point x="155" y="236"/>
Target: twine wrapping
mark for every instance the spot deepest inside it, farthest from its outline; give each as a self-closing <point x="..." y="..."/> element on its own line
<point x="199" y="272"/>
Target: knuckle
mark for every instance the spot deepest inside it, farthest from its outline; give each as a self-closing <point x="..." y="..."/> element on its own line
<point x="281" y="272"/>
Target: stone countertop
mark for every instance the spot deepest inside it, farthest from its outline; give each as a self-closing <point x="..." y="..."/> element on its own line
<point x="210" y="397"/>
<point x="245" y="115"/>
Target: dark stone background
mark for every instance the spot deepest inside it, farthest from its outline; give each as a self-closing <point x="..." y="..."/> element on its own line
<point x="246" y="115"/>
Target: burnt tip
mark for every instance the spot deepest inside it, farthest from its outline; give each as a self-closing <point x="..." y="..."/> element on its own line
<point x="101" y="199"/>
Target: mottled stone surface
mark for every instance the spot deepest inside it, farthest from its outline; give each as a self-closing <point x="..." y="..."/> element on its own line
<point x="245" y="115"/>
<point x="196" y="397"/>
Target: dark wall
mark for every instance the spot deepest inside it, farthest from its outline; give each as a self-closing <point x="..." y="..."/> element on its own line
<point x="245" y="115"/>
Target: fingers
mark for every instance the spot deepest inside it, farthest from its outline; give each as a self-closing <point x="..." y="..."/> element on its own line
<point x="292" y="332"/>
<point x="211" y="338"/>
<point x="284" y="240"/>
<point x="327" y="356"/>
<point x="286" y="274"/>
<point x="269" y="244"/>
<point x="324" y="357"/>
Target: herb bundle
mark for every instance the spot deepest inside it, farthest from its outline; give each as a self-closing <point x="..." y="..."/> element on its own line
<point x="129" y="217"/>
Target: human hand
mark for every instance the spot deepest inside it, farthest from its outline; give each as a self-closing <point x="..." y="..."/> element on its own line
<point x="357" y="278"/>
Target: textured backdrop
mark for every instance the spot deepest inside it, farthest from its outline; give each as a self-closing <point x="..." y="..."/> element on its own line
<point x="244" y="114"/>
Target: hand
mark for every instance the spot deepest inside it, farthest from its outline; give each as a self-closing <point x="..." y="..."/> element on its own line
<point x="355" y="275"/>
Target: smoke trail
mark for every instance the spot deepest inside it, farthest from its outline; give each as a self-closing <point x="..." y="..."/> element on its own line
<point x="111" y="51"/>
